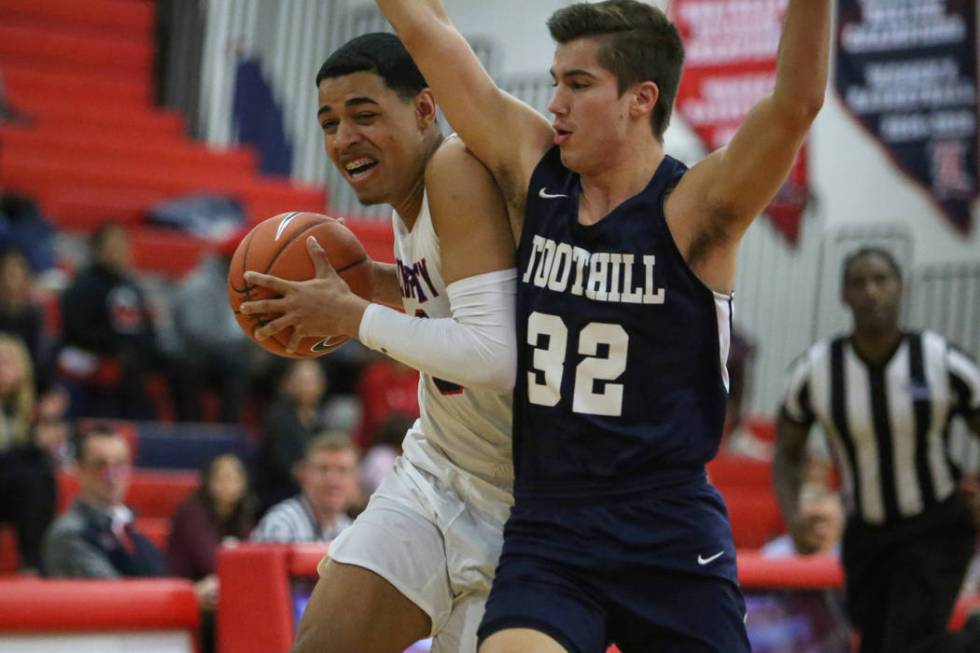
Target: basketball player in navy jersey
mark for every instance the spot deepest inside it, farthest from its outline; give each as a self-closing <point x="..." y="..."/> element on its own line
<point x="626" y="262"/>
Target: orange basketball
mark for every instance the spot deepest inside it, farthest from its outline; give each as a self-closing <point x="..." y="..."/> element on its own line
<point x="277" y="246"/>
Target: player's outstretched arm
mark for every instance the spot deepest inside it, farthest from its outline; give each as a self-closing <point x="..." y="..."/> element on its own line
<point x="718" y="199"/>
<point x="508" y="136"/>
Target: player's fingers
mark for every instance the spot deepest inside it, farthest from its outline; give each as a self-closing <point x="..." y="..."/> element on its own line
<point x="320" y="261"/>
<point x="263" y="306"/>
<point x="272" y="328"/>
<point x="294" y="341"/>
<point x="267" y="281"/>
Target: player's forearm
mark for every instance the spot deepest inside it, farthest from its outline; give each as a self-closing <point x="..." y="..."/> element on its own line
<point x="416" y="21"/>
<point x="384" y="284"/>
<point x="803" y="62"/>
<point x="476" y="347"/>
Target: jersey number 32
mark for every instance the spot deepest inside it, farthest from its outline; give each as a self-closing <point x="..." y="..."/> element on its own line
<point x="548" y="336"/>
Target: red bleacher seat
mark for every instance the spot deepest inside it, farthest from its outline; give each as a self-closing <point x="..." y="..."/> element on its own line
<point x="88" y="54"/>
<point x="118" y="19"/>
<point x="9" y="559"/>
<point x="737" y="471"/>
<point x="754" y="515"/>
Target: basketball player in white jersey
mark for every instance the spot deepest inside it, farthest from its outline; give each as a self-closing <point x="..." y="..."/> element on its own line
<point x="420" y="560"/>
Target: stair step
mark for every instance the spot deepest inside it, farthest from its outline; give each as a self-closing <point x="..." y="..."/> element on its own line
<point x="51" y="144"/>
<point x="26" y="82"/>
<point x="118" y="18"/>
<point x="99" y="116"/>
<point x="53" y="48"/>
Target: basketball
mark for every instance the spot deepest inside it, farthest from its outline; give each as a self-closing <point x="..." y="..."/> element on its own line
<point x="277" y="247"/>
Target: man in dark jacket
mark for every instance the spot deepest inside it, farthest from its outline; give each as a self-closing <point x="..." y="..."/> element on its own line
<point x="96" y="538"/>
<point x="108" y="334"/>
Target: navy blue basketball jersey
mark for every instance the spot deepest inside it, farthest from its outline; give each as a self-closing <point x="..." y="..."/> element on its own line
<point x="621" y="380"/>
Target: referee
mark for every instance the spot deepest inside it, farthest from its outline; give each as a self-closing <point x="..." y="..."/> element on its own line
<point x="886" y="397"/>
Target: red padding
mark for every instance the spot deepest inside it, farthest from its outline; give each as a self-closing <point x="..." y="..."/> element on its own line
<point x="255" y="611"/>
<point x="97" y="605"/>
<point x="304" y="559"/>
<point x="814" y="572"/>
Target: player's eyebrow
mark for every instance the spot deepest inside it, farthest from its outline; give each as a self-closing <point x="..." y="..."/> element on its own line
<point x="572" y="72"/>
<point x="353" y="102"/>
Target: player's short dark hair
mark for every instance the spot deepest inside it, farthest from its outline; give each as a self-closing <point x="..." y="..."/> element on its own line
<point x="379" y="53"/>
<point x="637" y="43"/>
<point x="862" y="252"/>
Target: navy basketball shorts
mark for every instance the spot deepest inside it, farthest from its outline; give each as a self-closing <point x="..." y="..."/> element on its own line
<point x="651" y="575"/>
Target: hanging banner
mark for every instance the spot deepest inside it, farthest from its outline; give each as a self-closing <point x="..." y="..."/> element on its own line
<point x="907" y="71"/>
<point x="729" y="65"/>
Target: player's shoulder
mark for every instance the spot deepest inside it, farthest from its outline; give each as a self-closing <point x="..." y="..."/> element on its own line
<point x="452" y="162"/>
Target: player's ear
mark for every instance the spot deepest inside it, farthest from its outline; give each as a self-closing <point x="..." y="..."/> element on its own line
<point x="644" y="98"/>
<point x="425" y="109"/>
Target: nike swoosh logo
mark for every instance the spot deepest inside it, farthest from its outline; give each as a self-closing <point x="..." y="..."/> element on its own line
<point x="545" y="195"/>
<point x="323" y="345"/>
<point x="285" y="223"/>
<point x="704" y="561"/>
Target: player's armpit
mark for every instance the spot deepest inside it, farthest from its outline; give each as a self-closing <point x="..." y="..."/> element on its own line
<point x="506" y="134"/>
<point x="468" y="214"/>
<point x="718" y="198"/>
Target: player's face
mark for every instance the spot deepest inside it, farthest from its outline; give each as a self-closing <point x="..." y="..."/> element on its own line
<point x="592" y="121"/>
<point x="873" y="292"/>
<point x="329" y="479"/>
<point x="374" y="137"/>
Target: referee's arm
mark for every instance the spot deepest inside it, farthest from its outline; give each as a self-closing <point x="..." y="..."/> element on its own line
<point x="787" y="477"/>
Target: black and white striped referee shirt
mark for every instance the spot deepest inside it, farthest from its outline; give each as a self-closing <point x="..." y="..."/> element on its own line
<point x="292" y="520"/>
<point x="888" y="424"/>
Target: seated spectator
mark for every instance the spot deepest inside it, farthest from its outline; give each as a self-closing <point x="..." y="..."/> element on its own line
<point x="19" y="313"/>
<point x="289" y="423"/>
<point x="96" y="538"/>
<point x="386" y="447"/>
<point x="328" y="478"/>
<point x="109" y="339"/>
<point x="27" y="485"/>
<point x="221" y="511"/>
<point x="211" y="345"/>
<point x="386" y="387"/>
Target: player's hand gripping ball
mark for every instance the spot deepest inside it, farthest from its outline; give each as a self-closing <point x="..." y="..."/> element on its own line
<point x="278" y="247"/>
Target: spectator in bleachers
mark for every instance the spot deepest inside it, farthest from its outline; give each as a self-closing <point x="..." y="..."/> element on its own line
<point x="23" y="226"/>
<point x="386" y="387"/>
<point x="96" y="537"/>
<point x="221" y="511"/>
<point x="328" y="481"/>
<point x="212" y="346"/>
<point x="27" y="485"/>
<point x="20" y="314"/>
<point x="109" y="340"/>
<point x="289" y="423"/>
<point x="385" y="448"/>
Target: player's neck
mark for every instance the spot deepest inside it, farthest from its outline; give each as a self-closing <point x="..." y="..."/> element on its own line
<point x="877" y="346"/>
<point x="624" y="175"/>
<point x="410" y="204"/>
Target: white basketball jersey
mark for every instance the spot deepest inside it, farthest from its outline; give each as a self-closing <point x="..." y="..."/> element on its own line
<point x="460" y="429"/>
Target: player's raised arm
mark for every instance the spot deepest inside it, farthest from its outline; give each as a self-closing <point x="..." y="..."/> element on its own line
<point x="508" y="136"/>
<point x="721" y="196"/>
